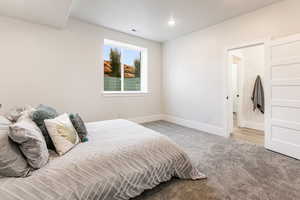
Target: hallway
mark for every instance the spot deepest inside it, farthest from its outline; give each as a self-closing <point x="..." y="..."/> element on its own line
<point x="247" y="134"/>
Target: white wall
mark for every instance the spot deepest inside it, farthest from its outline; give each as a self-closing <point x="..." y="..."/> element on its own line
<point x="62" y="68"/>
<point x="194" y="68"/>
<point x="253" y="65"/>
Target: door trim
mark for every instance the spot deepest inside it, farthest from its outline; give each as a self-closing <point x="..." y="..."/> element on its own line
<point x="228" y="110"/>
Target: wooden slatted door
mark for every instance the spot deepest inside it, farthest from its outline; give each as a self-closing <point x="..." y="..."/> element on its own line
<point x="283" y="96"/>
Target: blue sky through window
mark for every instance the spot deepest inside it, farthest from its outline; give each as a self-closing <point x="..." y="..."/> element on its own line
<point x="128" y="55"/>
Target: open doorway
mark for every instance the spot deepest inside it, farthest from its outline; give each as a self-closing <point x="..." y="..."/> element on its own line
<point x="246" y="69"/>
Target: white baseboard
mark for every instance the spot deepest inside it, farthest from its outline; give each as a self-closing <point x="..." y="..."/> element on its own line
<point x="187" y="123"/>
<point x="252" y="125"/>
<point x="145" y="119"/>
<point x="196" y="125"/>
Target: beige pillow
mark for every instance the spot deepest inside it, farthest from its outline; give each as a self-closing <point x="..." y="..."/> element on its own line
<point x="62" y="133"/>
<point x="30" y="139"/>
<point x="12" y="162"/>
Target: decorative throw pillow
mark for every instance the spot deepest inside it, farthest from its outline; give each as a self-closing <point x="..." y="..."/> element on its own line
<point x="62" y="133"/>
<point x="79" y="127"/>
<point x="30" y="139"/>
<point x="42" y="113"/>
<point x="14" y="113"/>
<point x="12" y="162"/>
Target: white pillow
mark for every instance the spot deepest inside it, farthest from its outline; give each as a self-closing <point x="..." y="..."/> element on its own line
<point x="4" y="122"/>
<point x="62" y="133"/>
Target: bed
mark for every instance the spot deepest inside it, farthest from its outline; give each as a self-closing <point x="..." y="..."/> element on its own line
<point x="120" y="161"/>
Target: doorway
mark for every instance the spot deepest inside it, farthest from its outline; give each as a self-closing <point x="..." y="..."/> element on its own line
<point x="246" y="66"/>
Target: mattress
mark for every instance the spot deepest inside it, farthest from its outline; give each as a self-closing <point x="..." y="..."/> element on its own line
<point x="120" y="161"/>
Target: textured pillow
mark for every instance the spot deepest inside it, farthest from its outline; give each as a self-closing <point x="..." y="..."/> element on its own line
<point x="30" y="139"/>
<point x="79" y="127"/>
<point x="12" y="162"/>
<point x="4" y="122"/>
<point x="14" y="113"/>
<point x="44" y="112"/>
<point x="62" y="133"/>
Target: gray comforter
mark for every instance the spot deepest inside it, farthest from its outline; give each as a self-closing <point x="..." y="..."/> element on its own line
<point x="120" y="161"/>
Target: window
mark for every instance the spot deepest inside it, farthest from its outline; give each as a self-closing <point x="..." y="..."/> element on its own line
<point x="125" y="68"/>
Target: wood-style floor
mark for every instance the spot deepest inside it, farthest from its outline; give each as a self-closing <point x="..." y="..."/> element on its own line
<point x="248" y="135"/>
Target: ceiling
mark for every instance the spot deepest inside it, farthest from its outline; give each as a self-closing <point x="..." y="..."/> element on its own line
<point x="49" y="12"/>
<point x="148" y="17"/>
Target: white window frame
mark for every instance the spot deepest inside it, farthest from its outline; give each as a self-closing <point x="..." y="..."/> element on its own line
<point x="144" y="69"/>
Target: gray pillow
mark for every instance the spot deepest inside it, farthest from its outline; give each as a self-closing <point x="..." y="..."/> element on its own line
<point x="42" y="113"/>
<point x="79" y="127"/>
<point x="12" y="162"/>
<point x="31" y="141"/>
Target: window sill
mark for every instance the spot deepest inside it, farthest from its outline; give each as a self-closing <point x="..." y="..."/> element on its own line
<point x="124" y="94"/>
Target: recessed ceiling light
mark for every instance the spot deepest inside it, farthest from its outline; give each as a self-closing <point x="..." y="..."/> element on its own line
<point x="171" y="22"/>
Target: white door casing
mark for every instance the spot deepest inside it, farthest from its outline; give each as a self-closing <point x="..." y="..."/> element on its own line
<point x="228" y="100"/>
<point x="282" y="96"/>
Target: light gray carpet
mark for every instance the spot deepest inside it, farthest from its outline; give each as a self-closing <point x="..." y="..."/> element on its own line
<point x="235" y="170"/>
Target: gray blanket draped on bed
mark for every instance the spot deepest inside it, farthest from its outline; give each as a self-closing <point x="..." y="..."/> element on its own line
<point x="258" y="97"/>
<point x="120" y="161"/>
